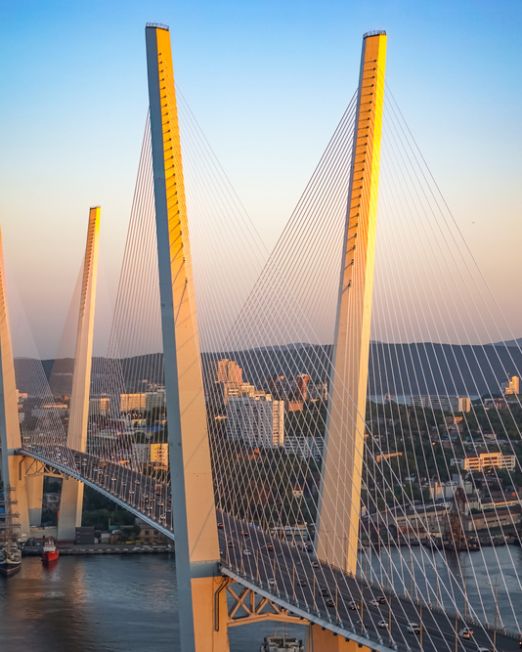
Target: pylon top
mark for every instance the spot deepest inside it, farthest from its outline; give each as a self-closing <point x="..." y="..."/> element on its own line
<point x="157" y="26"/>
<point x="375" y="32"/>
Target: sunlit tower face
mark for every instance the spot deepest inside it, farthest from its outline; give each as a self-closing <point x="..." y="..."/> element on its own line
<point x="339" y="509"/>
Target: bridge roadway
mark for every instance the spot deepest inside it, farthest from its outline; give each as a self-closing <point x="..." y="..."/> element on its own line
<point x="286" y="572"/>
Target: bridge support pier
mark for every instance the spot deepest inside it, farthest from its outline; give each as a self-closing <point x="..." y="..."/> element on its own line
<point x="322" y="640"/>
<point x="34" y="487"/>
<point x="70" y="513"/>
<point x="210" y="614"/>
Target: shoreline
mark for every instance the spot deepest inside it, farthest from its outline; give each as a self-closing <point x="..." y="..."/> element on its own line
<point x="103" y="549"/>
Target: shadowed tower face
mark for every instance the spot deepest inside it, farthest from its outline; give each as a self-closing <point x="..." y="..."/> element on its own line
<point x="194" y="513"/>
<point x="339" y="508"/>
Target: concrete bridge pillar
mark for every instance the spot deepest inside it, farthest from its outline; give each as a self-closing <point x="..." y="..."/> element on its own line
<point x="211" y="615"/>
<point x="34" y="488"/>
<point x="322" y="640"/>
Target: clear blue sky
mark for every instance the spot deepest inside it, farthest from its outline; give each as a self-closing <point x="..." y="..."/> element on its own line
<point x="268" y="80"/>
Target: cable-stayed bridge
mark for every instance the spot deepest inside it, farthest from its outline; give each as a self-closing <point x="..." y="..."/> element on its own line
<point x="368" y="516"/>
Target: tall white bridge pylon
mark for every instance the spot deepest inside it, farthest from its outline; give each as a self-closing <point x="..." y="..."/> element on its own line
<point x="340" y="499"/>
<point x="71" y="502"/>
<point x="194" y="512"/>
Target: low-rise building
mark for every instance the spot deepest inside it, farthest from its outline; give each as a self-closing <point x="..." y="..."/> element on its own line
<point x="159" y="455"/>
<point x="485" y="461"/>
<point x="133" y="402"/>
<point x="304" y="446"/>
<point x="443" y="403"/>
<point x="512" y="387"/>
<point x="99" y="406"/>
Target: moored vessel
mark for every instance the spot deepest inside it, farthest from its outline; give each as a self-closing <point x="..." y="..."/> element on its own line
<point x="50" y="552"/>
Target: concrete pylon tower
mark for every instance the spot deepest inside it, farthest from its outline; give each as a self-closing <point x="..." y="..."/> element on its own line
<point x="71" y="501"/>
<point x="340" y="496"/>
<point x="13" y="472"/>
<point x="194" y="512"/>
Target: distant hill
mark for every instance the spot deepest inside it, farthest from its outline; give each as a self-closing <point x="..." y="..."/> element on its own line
<point x="517" y="344"/>
<point x="415" y="368"/>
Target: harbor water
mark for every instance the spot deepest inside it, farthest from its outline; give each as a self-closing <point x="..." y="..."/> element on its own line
<point x="128" y="603"/>
<point x="114" y="603"/>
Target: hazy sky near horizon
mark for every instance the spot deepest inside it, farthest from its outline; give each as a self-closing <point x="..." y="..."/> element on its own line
<point x="268" y="81"/>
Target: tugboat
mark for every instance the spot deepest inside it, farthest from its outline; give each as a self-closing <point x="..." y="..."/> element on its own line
<point x="10" y="553"/>
<point x="50" y="552"/>
<point x="281" y="644"/>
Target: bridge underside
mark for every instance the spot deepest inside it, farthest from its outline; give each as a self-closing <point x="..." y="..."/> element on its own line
<point x="244" y="602"/>
<point x="128" y="490"/>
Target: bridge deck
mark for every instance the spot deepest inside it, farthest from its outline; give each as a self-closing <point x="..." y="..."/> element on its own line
<point x="289" y="575"/>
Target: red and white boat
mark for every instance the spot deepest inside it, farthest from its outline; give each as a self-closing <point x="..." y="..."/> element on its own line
<point x="50" y="552"/>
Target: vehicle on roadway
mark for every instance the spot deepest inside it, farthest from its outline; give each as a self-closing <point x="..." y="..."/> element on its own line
<point x="383" y="624"/>
<point x="413" y="628"/>
<point x="466" y="633"/>
<point x="354" y="606"/>
<point x="330" y="603"/>
<point x="375" y="602"/>
<point x="247" y="552"/>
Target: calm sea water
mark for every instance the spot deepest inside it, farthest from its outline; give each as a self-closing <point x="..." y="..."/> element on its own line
<point x="491" y="596"/>
<point x="129" y="603"/>
<point x="110" y="603"/>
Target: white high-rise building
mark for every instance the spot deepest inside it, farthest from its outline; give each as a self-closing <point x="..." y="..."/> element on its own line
<point x="257" y="421"/>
